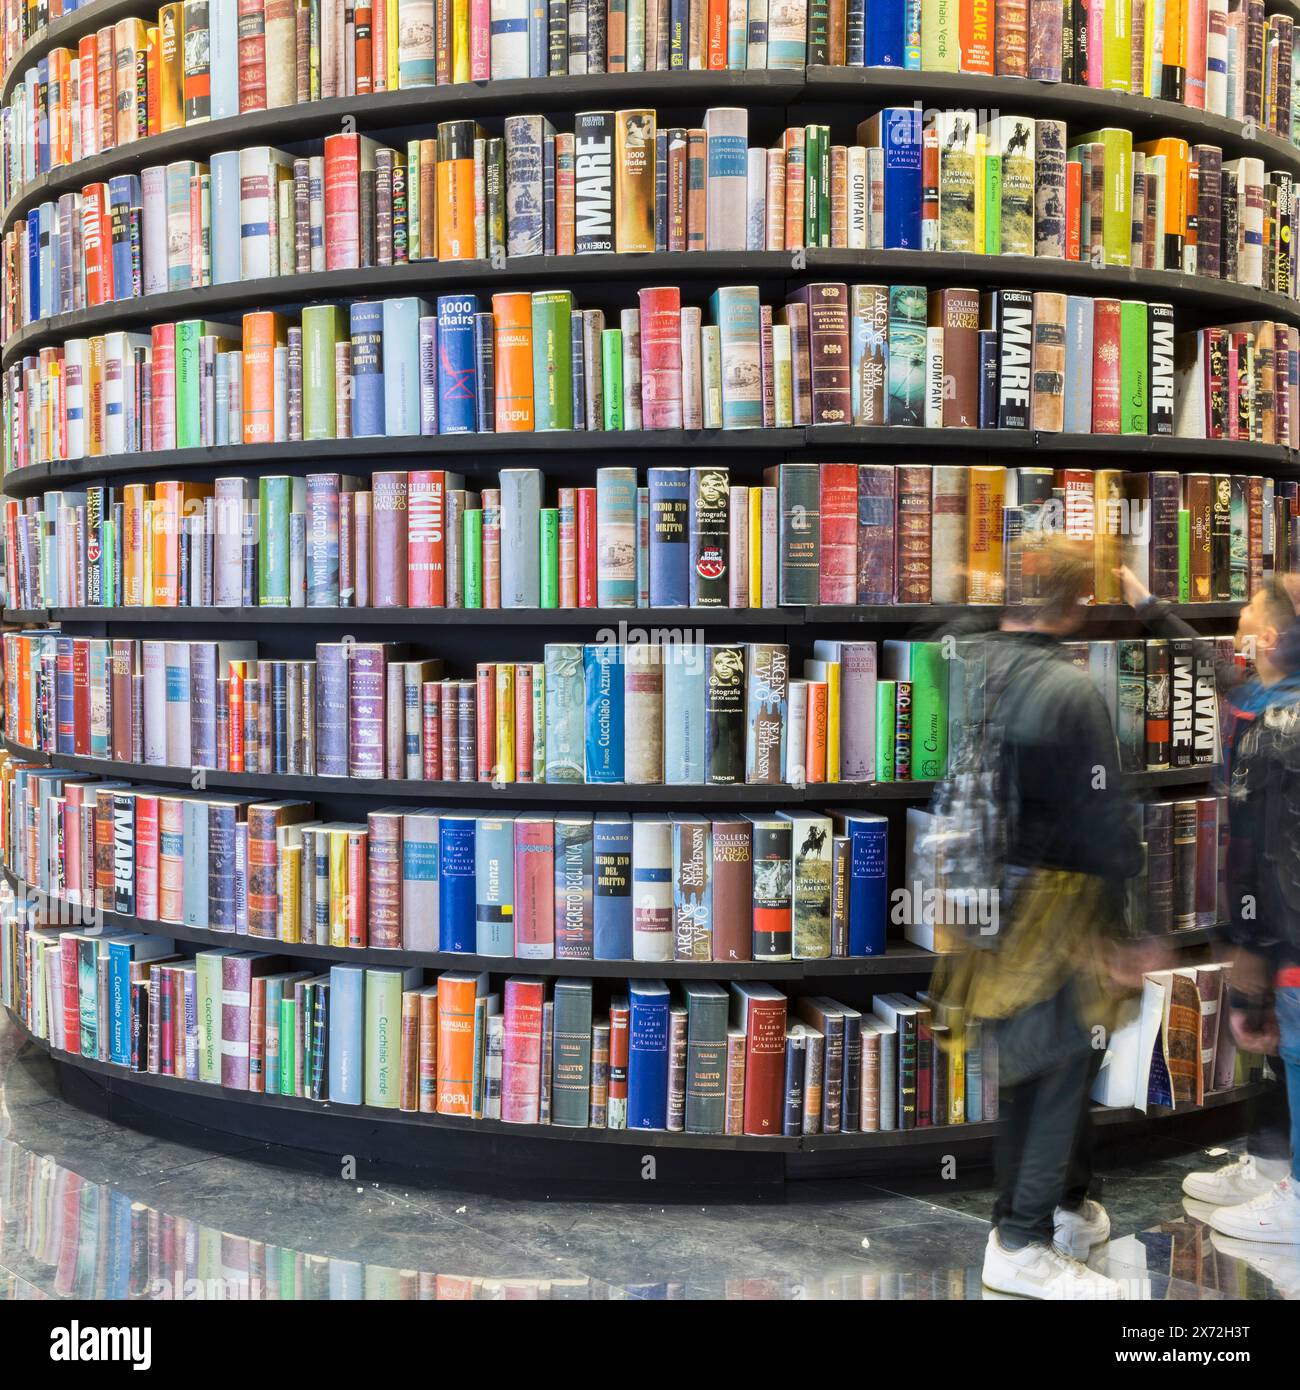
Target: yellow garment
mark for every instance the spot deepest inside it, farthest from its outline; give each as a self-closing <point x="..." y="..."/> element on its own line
<point x="1058" y="931"/>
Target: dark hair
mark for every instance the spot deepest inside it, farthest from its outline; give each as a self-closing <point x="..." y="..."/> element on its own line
<point x="1278" y="603"/>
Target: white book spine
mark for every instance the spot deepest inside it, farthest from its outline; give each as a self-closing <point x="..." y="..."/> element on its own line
<point x="153" y="195"/>
<point x="756" y="201"/>
<point x="858" y="197"/>
<point x="154" y="720"/>
<point x="934" y="378"/>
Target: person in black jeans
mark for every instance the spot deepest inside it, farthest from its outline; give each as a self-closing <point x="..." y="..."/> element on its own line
<point x="1263" y="624"/>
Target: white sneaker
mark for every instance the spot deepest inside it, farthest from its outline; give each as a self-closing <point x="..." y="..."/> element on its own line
<point x="1272" y="1217"/>
<point x="1278" y="1264"/>
<point x="1236" y="1182"/>
<point x="1077" y="1232"/>
<point x="1042" y="1271"/>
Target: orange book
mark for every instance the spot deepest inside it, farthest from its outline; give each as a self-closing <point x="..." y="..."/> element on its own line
<point x="25" y="734"/>
<point x="263" y="333"/>
<point x="564" y="176"/>
<point x="129" y="39"/>
<point x="1073" y="183"/>
<point x="514" y="361"/>
<point x="717" y="50"/>
<point x="456" y="995"/>
<point x="815" y="747"/>
<point x="428" y="1070"/>
<point x="87" y="51"/>
<point x="235" y="724"/>
<point x="153" y="66"/>
<point x="1177" y="164"/>
<point x="408" y="1095"/>
<point x="455" y="190"/>
<point x="794" y="188"/>
<point x="134" y="496"/>
<point x="987" y="494"/>
<point x="358" y="895"/>
<point x="172" y="501"/>
<point x="171" y="66"/>
<point x="976" y="36"/>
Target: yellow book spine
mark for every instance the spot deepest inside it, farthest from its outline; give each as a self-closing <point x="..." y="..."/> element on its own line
<point x="94" y="397"/>
<point x="956" y="1081"/>
<point x="505" y="722"/>
<point x="634" y="180"/>
<point x="981" y="154"/>
<point x="171" y="28"/>
<point x="782" y="375"/>
<point x="392" y="35"/>
<point x="149" y="518"/>
<point x="460" y="41"/>
<point x="338" y="887"/>
<point x="832" y="721"/>
<point x="756" y="547"/>
<point x="288" y="916"/>
<point x="133" y="554"/>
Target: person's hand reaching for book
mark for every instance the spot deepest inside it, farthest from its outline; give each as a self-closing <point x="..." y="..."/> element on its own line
<point x="1134" y="590"/>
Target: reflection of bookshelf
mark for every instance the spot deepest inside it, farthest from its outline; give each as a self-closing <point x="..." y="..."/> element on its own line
<point x="774" y="99"/>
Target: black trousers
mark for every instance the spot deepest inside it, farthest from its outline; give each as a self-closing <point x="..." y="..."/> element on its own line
<point x="1044" y="1152"/>
<point x="1269" y="1132"/>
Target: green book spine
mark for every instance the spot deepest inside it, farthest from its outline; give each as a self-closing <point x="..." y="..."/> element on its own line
<point x="108" y="564"/>
<point x="1184" y="555"/>
<point x="552" y="360"/>
<point x="1117" y="217"/>
<point x="271" y="1053"/>
<point x="548" y="543"/>
<point x="939" y="35"/>
<point x="611" y="367"/>
<point x="288" y="1046"/>
<point x="413" y="251"/>
<point x="208" y="998"/>
<point x="284" y="195"/>
<point x="188" y="333"/>
<point x="480" y="1058"/>
<point x="473" y="558"/>
<point x="1133" y="365"/>
<point x="275" y="501"/>
<point x="886" y="694"/>
<point x="1117" y="48"/>
<point x="812" y="172"/>
<point x="383" y="1038"/>
<point x="992" y="205"/>
<point x="929" y="712"/>
<point x="824" y="188"/>
<point x="320" y="335"/>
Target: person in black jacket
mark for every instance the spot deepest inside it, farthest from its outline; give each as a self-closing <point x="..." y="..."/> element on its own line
<point x="1268" y="634"/>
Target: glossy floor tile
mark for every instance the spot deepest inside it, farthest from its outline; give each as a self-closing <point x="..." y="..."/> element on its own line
<point x="92" y="1209"/>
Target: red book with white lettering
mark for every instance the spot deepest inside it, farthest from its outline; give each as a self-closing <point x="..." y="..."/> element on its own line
<point x="96" y="244"/>
<point x="163" y="385"/>
<point x="661" y="358"/>
<point x="521" y="1077"/>
<point x="838" y="582"/>
<point x="1106" y="366"/>
<point x="759" y="1011"/>
<point x="426" y="535"/>
<point x="587" y="564"/>
<point x="346" y="158"/>
<point x="146" y="857"/>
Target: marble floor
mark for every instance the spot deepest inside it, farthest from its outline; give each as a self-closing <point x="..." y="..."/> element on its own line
<point x="90" y="1209"/>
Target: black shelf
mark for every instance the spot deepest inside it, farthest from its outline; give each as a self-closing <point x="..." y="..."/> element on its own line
<point x="1207" y="297"/>
<point x="66" y="30"/>
<point x="633" y="795"/>
<point x="863" y="88"/>
<point x="643" y="1138"/>
<point x="481" y="454"/>
<point x="883" y="615"/>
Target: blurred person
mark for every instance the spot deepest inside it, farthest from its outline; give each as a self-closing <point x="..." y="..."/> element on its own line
<point x="1268" y="636"/>
<point x="1051" y="975"/>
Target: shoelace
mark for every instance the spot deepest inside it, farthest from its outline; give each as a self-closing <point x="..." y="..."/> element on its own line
<point x="1272" y="1197"/>
<point x="1067" y="1264"/>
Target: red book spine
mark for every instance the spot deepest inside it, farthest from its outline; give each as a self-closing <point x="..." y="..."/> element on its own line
<point x="342" y="202"/>
<point x="431" y="731"/>
<point x="1106" y="367"/>
<point x="523" y="721"/>
<point x="365" y="51"/>
<point x="587" y="547"/>
<point x="491" y="547"/>
<point x="167" y="1030"/>
<point x="81" y="697"/>
<point x="389" y="523"/>
<point x="86" y="95"/>
<point x="252" y="56"/>
<point x="163" y="385"/>
<point x="426" y="542"/>
<point x="839" y="533"/>
<point x="717" y="35"/>
<point x="257" y="1034"/>
<point x="1232" y="382"/>
<point x="450" y="731"/>
<point x="568" y="547"/>
<point x="764" y="1066"/>
<point x="358" y="897"/>
<point x="96" y="245"/>
<point x="522" y="1052"/>
<point x="618" y="1058"/>
<point x="535" y="889"/>
<point x="235" y="733"/>
<point x="385" y="881"/>
<point x="71" y="997"/>
<point x="485" y="727"/>
<point x="146" y="857"/>
<point x="661" y="359"/>
<point x="1073" y="186"/>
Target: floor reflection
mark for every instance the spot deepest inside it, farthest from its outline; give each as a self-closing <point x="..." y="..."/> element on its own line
<point x="89" y="1209"/>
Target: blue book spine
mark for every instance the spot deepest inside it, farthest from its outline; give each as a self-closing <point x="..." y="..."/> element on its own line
<point x="65" y="713"/>
<point x="367" y="369"/>
<point x="203" y="704"/>
<point x="494" y="875"/>
<point x="565" y="713"/>
<point x="684" y="697"/>
<point x="611" y="845"/>
<point x="885" y="46"/>
<point x="43" y="113"/>
<point x="119" y="1002"/>
<point x="223" y="42"/>
<point x="226" y="232"/>
<point x="670" y="551"/>
<point x="538" y="39"/>
<point x="485" y="348"/>
<point x="678" y="33"/>
<point x="603" y="685"/>
<point x="99" y="730"/>
<point x="643" y="547"/>
<point x="322" y="538"/>
<point x="194" y="899"/>
<point x="456" y="884"/>
<point x="123" y="196"/>
<point x="457" y="387"/>
<point x="346" y="1034"/>
<point x="868" y="888"/>
<point x="331" y="710"/>
<point x="912" y="35"/>
<point x="736" y="311"/>
<point x="429" y="375"/>
<point x="34" y="265"/>
<point x="988" y="380"/>
<point x="616" y="528"/>
<point x="900" y="135"/>
<point x="1078" y="365"/>
<point x="401" y="359"/>
<point x="647" y="1062"/>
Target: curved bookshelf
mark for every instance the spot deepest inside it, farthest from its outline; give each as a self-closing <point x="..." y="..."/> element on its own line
<point x="815" y="86"/>
<point x="1201" y="293"/>
<point x="63" y="30"/>
<point x="897" y="615"/>
<point x="567" y="793"/>
<point x="465" y="449"/>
